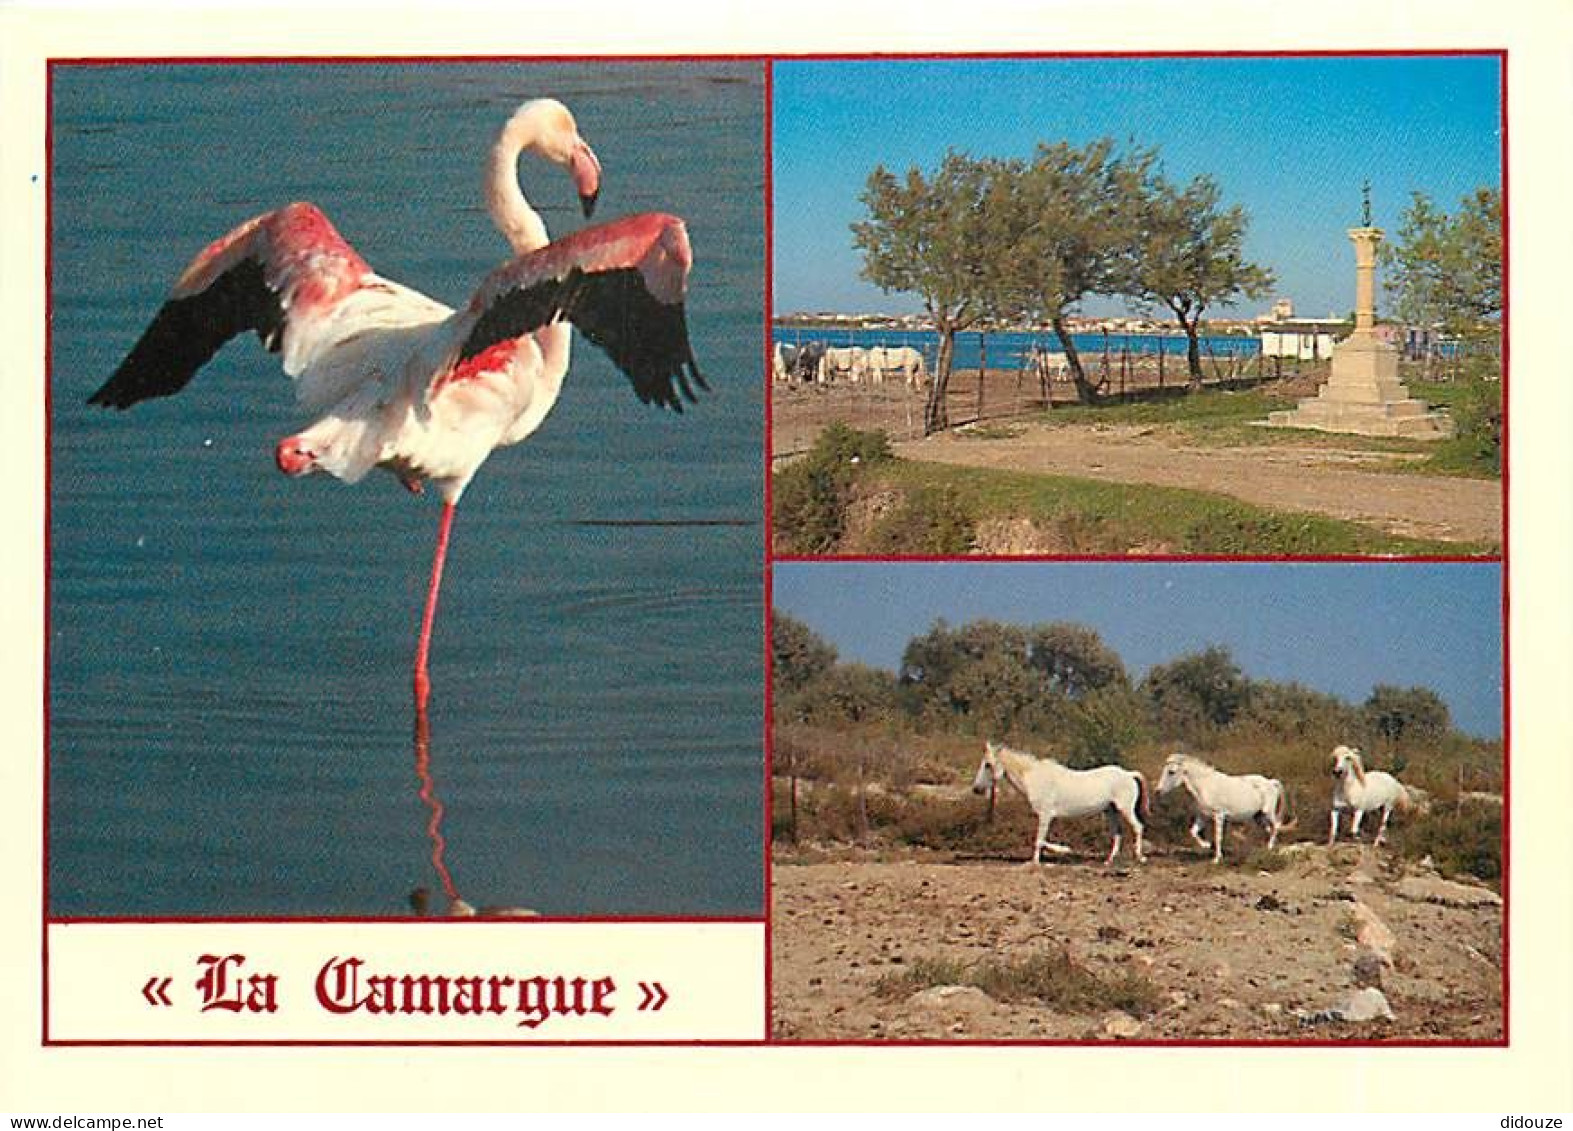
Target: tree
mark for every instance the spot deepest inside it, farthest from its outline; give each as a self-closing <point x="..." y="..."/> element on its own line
<point x="939" y="238"/>
<point x="846" y="693"/>
<point x="1004" y="679"/>
<point x="1188" y="255"/>
<point x="1080" y="206"/>
<point x="1406" y="714"/>
<point x="939" y="667"/>
<point x="1447" y="270"/>
<point x="1073" y="659"/>
<point x="1198" y="693"/>
<point x="798" y="655"/>
<point x="1103" y="725"/>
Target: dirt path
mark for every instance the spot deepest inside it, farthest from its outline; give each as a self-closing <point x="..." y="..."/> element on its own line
<point x="1335" y="482"/>
<point x="1232" y="954"/>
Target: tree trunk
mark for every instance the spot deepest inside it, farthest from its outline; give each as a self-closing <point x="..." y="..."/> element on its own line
<point x="935" y="418"/>
<point x="1193" y="350"/>
<point x="1086" y="393"/>
<point x="983" y="369"/>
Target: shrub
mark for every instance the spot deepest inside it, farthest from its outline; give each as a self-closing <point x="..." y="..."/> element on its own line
<point x="809" y="497"/>
<point x="1051" y="977"/>
<point x="930" y="520"/>
<point x="1466" y="840"/>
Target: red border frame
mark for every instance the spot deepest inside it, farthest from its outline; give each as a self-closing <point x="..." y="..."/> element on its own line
<point x="767" y="1040"/>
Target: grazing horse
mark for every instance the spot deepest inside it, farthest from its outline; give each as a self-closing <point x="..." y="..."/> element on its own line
<point x="1054" y="790"/>
<point x="903" y="362"/>
<point x="1355" y="788"/>
<point x="849" y="363"/>
<point x="1220" y="796"/>
<point x="802" y="361"/>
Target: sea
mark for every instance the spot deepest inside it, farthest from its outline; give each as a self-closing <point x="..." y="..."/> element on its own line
<point x="1009" y="349"/>
<point x="229" y="650"/>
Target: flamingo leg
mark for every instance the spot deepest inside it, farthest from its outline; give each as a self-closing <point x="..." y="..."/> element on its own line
<point x="423" y="649"/>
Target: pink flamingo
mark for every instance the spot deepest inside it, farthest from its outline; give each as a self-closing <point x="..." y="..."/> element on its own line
<point x="406" y="383"/>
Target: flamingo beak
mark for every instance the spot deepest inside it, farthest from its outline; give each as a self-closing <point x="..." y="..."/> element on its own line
<point x="586" y="170"/>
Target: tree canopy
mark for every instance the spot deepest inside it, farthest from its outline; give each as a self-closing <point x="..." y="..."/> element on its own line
<point x="1188" y="255"/>
<point x="1028" y="240"/>
<point x="940" y="238"/>
<point x="1446" y="269"/>
<point x="798" y="654"/>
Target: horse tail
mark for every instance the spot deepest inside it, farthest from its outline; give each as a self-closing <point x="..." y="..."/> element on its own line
<point x="1143" y="809"/>
<point x="1283" y="810"/>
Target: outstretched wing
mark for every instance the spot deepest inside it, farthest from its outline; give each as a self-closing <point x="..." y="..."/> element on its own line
<point x="622" y="284"/>
<point x="279" y="274"/>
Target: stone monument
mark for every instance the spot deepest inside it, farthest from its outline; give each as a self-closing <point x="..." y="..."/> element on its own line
<point x="1363" y="394"/>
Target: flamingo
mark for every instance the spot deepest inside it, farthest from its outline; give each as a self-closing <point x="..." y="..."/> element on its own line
<point x="405" y="383"/>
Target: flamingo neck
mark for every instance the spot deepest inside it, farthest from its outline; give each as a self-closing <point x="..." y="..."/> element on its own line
<point x="515" y="219"/>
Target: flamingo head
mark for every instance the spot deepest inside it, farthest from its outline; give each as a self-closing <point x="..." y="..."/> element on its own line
<point x="546" y="127"/>
<point x="294" y="457"/>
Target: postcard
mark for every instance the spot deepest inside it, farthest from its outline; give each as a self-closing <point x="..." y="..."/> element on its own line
<point x="954" y="567"/>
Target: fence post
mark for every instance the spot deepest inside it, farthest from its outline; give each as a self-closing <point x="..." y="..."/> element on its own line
<point x="983" y="369"/>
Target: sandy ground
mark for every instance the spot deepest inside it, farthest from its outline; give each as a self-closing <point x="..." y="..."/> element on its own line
<point x="1329" y="481"/>
<point x="1233" y="953"/>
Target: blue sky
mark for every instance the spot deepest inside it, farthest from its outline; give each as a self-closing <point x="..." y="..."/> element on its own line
<point x="1338" y="628"/>
<point x="1290" y="139"/>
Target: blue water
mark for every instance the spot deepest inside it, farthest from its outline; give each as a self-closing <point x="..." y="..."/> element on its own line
<point x="229" y="703"/>
<point x="1006" y="350"/>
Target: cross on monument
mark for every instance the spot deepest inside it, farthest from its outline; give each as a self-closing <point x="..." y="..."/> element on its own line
<point x="1365" y="213"/>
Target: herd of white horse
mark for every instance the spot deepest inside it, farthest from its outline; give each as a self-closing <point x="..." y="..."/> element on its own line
<point x="854" y="365"/>
<point x="1122" y="795"/>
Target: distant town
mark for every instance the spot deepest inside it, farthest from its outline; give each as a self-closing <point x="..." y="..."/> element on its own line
<point x="1281" y="312"/>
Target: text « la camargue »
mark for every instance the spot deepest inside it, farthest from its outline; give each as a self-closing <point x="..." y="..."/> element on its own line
<point x="344" y="986"/>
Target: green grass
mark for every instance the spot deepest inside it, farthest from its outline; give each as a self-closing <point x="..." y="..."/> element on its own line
<point x="1209" y="407"/>
<point x="1092" y="517"/>
<point x="1472" y="453"/>
<point x="1220" y="419"/>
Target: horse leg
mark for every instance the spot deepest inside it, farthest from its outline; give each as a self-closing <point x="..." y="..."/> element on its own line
<point x="1381" y="829"/>
<point x="1354" y="828"/>
<point x="1043" y="832"/>
<point x="1272" y="830"/>
<point x="1218" y="838"/>
<point x="1114" y="835"/>
<point x="1332" y="832"/>
<point x="1139" y="829"/>
<point x="1196" y="832"/>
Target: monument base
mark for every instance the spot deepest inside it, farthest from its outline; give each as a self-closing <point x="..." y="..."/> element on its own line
<point x="1364" y="396"/>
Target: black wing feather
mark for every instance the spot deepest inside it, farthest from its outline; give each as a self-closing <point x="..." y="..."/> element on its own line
<point x="188" y="331"/>
<point x="645" y="338"/>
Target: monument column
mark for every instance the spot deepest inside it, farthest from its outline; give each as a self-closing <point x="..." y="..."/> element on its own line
<point x="1363" y="393"/>
<point x="1365" y="240"/>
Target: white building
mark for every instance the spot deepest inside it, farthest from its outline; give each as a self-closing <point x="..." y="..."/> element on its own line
<point x="1309" y="339"/>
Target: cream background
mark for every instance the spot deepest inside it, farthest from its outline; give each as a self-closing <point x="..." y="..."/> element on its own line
<point x="1530" y="1076"/>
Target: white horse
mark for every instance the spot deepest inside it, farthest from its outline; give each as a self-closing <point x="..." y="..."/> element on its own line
<point x="1056" y="791"/>
<point x="904" y="362"/>
<point x="849" y="363"/>
<point x="1220" y="796"/>
<point x="1355" y="788"/>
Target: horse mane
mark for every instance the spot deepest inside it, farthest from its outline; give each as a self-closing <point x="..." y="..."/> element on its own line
<point x="1027" y="754"/>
